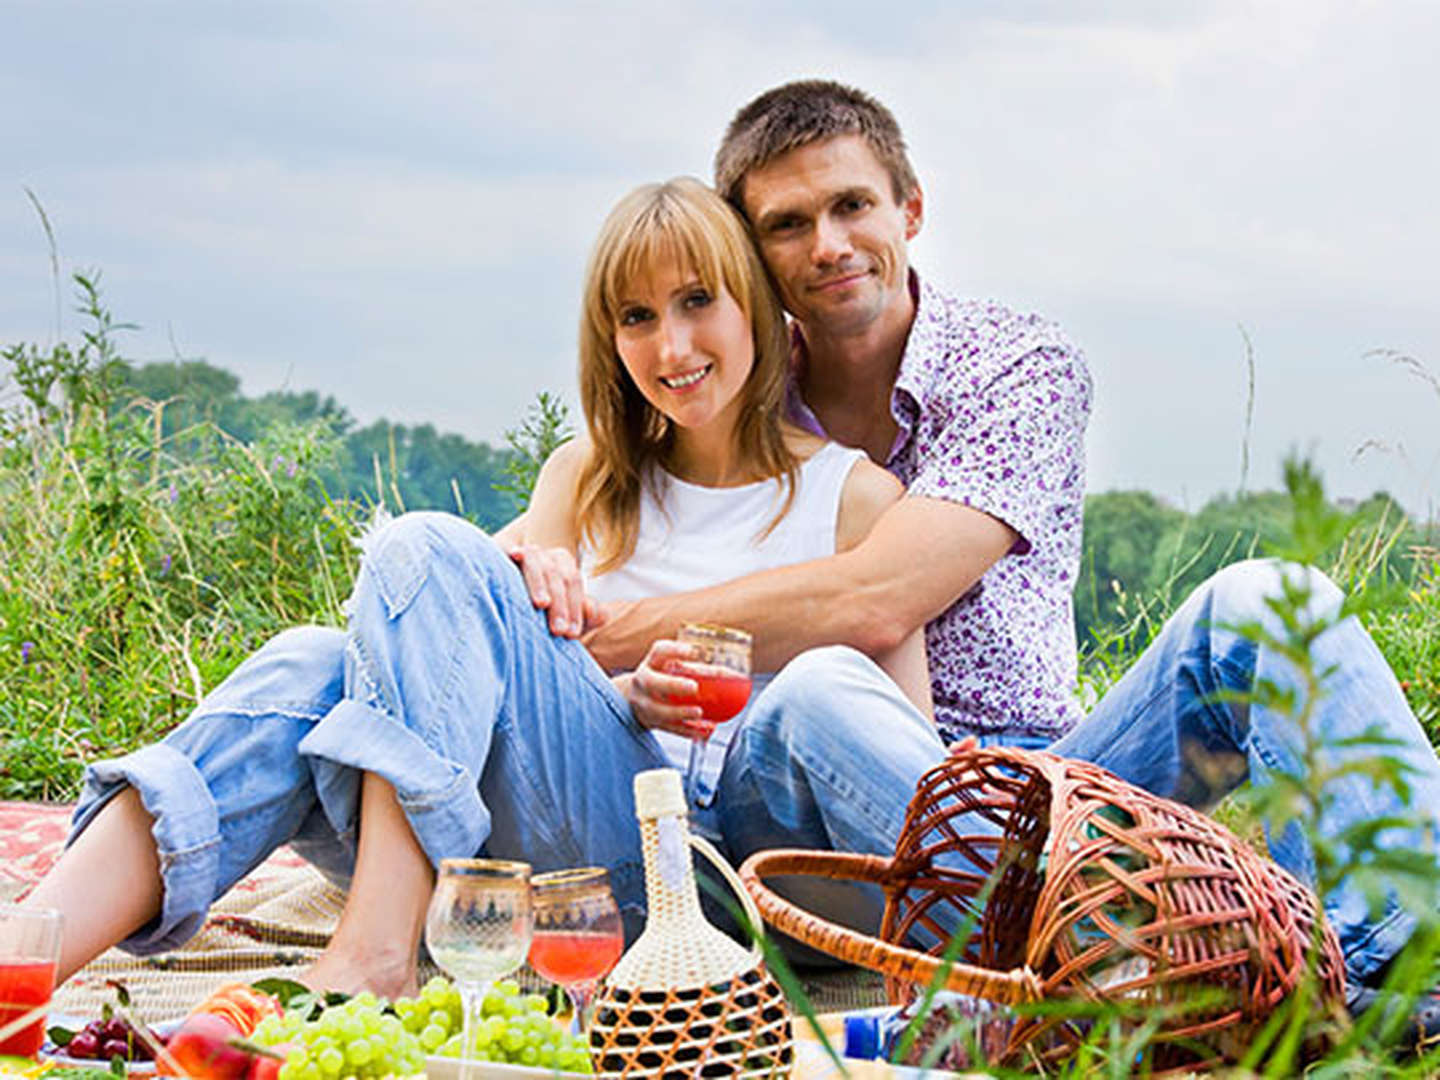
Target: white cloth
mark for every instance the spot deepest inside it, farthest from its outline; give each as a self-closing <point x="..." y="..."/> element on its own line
<point x="692" y="536"/>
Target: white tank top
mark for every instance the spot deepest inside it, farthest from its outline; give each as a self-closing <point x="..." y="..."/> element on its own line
<point x="692" y="536"/>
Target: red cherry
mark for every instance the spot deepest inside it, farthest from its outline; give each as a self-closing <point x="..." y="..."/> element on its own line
<point x="83" y="1045"/>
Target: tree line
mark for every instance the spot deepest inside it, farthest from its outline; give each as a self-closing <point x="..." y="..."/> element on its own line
<point x="406" y="467"/>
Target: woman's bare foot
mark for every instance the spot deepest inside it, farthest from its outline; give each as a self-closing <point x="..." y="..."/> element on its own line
<point x="386" y="972"/>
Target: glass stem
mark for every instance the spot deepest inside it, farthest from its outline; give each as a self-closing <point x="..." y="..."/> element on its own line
<point x="582" y="994"/>
<point x="472" y="1004"/>
<point x="693" y="769"/>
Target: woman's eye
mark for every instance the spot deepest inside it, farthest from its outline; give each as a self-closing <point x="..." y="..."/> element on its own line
<point x="634" y="316"/>
<point x="697" y="299"/>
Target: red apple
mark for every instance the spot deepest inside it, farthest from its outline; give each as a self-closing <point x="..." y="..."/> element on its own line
<point x="200" y="1048"/>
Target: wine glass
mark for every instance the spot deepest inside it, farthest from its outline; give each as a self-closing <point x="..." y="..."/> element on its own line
<point x="721" y="670"/>
<point x="477" y="929"/>
<point x="578" y="936"/>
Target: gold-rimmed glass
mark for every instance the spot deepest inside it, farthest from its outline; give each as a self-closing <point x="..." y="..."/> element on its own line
<point x="478" y="929"/>
<point x="578" y="934"/>
<point x="721" y="670"/>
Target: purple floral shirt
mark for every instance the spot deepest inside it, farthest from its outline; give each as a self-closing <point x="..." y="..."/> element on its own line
<point x="991" y="407"/>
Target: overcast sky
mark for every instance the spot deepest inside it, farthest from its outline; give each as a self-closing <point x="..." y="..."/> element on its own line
<point x="392" y="203"/>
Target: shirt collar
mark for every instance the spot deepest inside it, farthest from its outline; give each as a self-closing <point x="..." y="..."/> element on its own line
<point x="915" y="374"/>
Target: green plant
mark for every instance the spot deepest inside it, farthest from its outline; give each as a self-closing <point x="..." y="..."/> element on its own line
<point x="546" y="426"/>
<point x="133" y="578"/>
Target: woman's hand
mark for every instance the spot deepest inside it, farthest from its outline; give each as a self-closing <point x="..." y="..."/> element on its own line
<point x="553" y="578"/>
<point x="656" y="683"/>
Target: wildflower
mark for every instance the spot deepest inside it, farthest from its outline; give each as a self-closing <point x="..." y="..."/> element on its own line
<point x="174" y="494"/>
<point x="165" y="565"/>
<point x="26" y="648"/>
<point x="290" y="470"/>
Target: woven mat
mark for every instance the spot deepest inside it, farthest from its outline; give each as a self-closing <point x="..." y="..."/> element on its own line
<point x="273" y="923"/>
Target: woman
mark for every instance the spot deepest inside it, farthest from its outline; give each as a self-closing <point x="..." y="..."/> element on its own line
<point x="448" y="719"/>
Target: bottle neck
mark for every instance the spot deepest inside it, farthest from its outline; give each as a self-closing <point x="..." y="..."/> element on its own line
<point x="669" y="871"/>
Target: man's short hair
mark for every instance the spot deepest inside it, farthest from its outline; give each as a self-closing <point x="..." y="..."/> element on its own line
<point x="800" y="113"/>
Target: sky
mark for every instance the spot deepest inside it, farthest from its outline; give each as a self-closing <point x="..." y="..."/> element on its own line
<point x="392" y="203"/>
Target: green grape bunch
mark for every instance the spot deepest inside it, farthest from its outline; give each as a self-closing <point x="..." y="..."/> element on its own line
<point x="355" y="1038"/>
<point x="516" y="1028"/>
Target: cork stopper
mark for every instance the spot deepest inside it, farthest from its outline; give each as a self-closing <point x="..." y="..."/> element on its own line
<point x="658" y="793"/>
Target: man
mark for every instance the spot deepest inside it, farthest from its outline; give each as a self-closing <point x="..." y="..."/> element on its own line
<point x="981" y="412"/>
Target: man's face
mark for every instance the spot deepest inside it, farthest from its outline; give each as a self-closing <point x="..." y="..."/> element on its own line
<point x="834" y="237"/>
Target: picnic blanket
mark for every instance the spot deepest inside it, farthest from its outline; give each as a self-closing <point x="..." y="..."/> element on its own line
<point x="273" y="923"/>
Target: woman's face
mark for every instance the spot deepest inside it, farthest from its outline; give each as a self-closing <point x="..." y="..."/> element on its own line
<point x="688" y="350"/>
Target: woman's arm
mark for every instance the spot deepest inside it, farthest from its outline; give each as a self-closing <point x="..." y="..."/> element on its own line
<point x="870" y="490"/>
<point x="544" y="540"/>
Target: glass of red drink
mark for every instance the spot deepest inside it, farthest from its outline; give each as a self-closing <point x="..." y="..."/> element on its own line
<point x="578" y="936"/>
<point x="29" y="951"/>
<point x="721" y="670"/>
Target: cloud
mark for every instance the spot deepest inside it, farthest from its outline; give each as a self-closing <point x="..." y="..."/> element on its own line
<point x="394" y="205"/>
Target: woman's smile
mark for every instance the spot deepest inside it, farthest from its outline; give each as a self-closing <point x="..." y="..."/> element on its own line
<point x="688" y="379"/>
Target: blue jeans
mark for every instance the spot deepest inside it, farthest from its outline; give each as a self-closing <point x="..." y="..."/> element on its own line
<point x="503" y="740"/>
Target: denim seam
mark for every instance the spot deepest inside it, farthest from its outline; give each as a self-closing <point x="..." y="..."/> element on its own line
<point x="374" y="697"/>
<point x="567" y="839"/>
<point x="180" y="855"/>
<point x="251" y="709"/>
<point x="428" y="801"/>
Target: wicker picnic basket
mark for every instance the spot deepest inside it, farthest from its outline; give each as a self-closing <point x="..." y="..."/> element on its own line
<point x="1102" y="893"/>
<point x="686" y="1000"/>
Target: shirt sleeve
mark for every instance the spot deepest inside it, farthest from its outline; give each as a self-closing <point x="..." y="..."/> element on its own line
<point x="1014" y="447"/>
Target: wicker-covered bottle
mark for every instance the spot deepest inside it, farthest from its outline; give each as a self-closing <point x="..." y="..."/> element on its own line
<point x="686" y="1000"/>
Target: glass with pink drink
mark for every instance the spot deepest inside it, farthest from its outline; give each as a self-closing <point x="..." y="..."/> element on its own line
<point x="29" y="951"/>
<point x="720" y="668"/>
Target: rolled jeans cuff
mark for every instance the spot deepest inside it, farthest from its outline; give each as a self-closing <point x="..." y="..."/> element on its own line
<point x="440" y="797"/>
<point x="186" y="831"/>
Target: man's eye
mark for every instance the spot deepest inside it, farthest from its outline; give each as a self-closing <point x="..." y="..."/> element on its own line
<point x="783" y="225"/>
<point x="635" y="316"/>
<point x="852" y="205"/>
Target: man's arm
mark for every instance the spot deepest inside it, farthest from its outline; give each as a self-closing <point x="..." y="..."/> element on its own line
<point x="921" y="556"/>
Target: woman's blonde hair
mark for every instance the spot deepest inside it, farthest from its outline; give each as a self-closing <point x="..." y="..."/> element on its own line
<point x="684" y="222"/>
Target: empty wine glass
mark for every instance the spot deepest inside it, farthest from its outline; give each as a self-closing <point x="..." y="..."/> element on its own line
<point x="578" y="936"/>
<point x="478" y="928"/>
<point x="721" y="670"/>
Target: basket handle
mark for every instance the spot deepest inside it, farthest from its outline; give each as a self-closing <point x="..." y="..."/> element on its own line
<point x="1002" y="987"/>
<point x="706" y="848"/>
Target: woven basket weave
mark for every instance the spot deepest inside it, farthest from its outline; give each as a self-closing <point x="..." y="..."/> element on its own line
<point x="1103" y="893"/>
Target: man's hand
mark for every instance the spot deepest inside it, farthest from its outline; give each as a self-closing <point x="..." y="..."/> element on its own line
<point x="652" y="687"/>
<point x="553" y="579"/>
